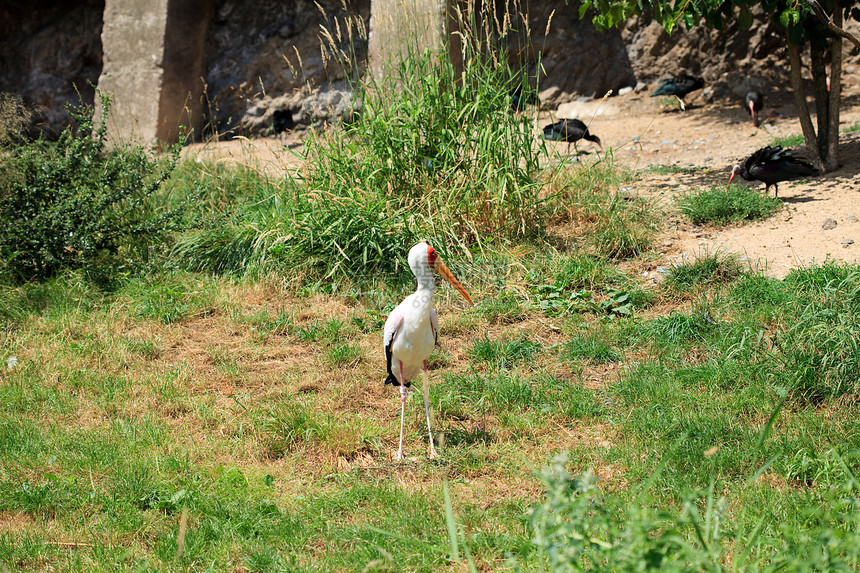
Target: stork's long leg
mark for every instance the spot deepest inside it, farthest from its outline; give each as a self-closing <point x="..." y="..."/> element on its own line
<point x="402" y="412"/>
<point x="433" y="454"/>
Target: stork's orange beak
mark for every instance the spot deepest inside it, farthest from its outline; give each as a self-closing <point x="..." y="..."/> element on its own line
<point x="448" y="276"/>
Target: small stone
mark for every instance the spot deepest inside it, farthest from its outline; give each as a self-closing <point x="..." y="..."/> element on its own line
<point x="663" y="270"/>
<point x="847" y="242"/>
<point x="851" y="218"/>
<point x="829" y="224"/>
<point x="625" y="90"/>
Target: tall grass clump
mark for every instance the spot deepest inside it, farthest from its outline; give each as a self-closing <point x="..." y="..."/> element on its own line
<point x="436" y="152"/>
<point x="439" y="140"/>
<point x="75" y="204"/>
<point x="724" y="204"/>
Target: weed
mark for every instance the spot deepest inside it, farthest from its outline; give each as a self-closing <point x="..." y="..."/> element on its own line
<point x="170" y="298"/>
<point x="583" y="272"/>
<point x="694" y="534"/>
<point x="343" y="355"/>
<point x="503" y="309"/>
<point x="677" y="328"/>
<point x="820" y="350"/>
<point x="329" y="331"/>
<point x="14" y="117"/>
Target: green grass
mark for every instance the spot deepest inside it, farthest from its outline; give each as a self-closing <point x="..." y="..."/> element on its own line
<point x="726" y="204"/>
<point x="592" y="349"/>
<point x="225" y="409"/>
<point x="706" y="268"/>
<point x="504" y="353"/>
<point x="788" y="141"/>
<point x="269" y="424"/>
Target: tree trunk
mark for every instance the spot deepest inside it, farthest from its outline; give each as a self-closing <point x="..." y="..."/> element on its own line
<point x="817" y="49"/>
<point x="831" y="154"/>
<point x="800" y="101"/>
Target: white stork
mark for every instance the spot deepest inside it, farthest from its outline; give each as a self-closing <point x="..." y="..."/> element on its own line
<point x="412" y="329"/>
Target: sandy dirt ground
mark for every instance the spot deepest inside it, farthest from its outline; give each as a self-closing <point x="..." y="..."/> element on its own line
<point x="713" y="138"/>
<point x="710" y="137"/>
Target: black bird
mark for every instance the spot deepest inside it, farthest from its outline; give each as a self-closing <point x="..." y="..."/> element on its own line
<point x="754" y="102"/>
<point x="679" y="86"/>
<point x="571" y="131"/>
<point x="282" y="120"/>
<point x="771" y="165"/>
<point x="522" y="98"/>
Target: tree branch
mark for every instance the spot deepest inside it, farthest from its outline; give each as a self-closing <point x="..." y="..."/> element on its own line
<point x="828" y="21"/>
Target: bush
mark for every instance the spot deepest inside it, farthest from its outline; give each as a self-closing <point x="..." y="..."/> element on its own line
<point x="75" y="205"/>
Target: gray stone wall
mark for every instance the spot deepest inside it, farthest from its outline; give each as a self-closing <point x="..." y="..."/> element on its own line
<point x="50" y="54"/>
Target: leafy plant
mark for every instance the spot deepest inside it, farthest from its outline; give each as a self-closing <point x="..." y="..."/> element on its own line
<point x="579" y="527"/>
<point x="75" y="204"/>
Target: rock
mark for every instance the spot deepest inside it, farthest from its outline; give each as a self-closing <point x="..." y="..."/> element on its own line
<point x="846" y="242"/>
<point x="829" y="224"/>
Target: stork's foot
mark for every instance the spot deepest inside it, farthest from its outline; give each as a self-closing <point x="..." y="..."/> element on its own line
<point x="399" y="456"/>
<point x="433" y="454"/>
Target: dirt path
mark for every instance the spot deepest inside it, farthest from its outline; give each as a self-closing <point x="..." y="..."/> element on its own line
<point x="707" y="135"/>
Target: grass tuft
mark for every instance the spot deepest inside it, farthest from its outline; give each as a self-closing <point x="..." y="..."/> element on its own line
<point x="725" y="204"/>
<point x="707" y="268"/>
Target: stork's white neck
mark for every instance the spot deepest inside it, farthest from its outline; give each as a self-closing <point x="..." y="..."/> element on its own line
<point x="426" y="282"/>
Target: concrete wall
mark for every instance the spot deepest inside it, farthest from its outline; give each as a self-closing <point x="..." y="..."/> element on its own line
<point x="399" y="25"/>
<point x="154" y="58"/>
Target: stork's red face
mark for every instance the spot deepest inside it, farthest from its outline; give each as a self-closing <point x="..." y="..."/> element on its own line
<point x="434" y="262"/>
<point x="432" y="257"/>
